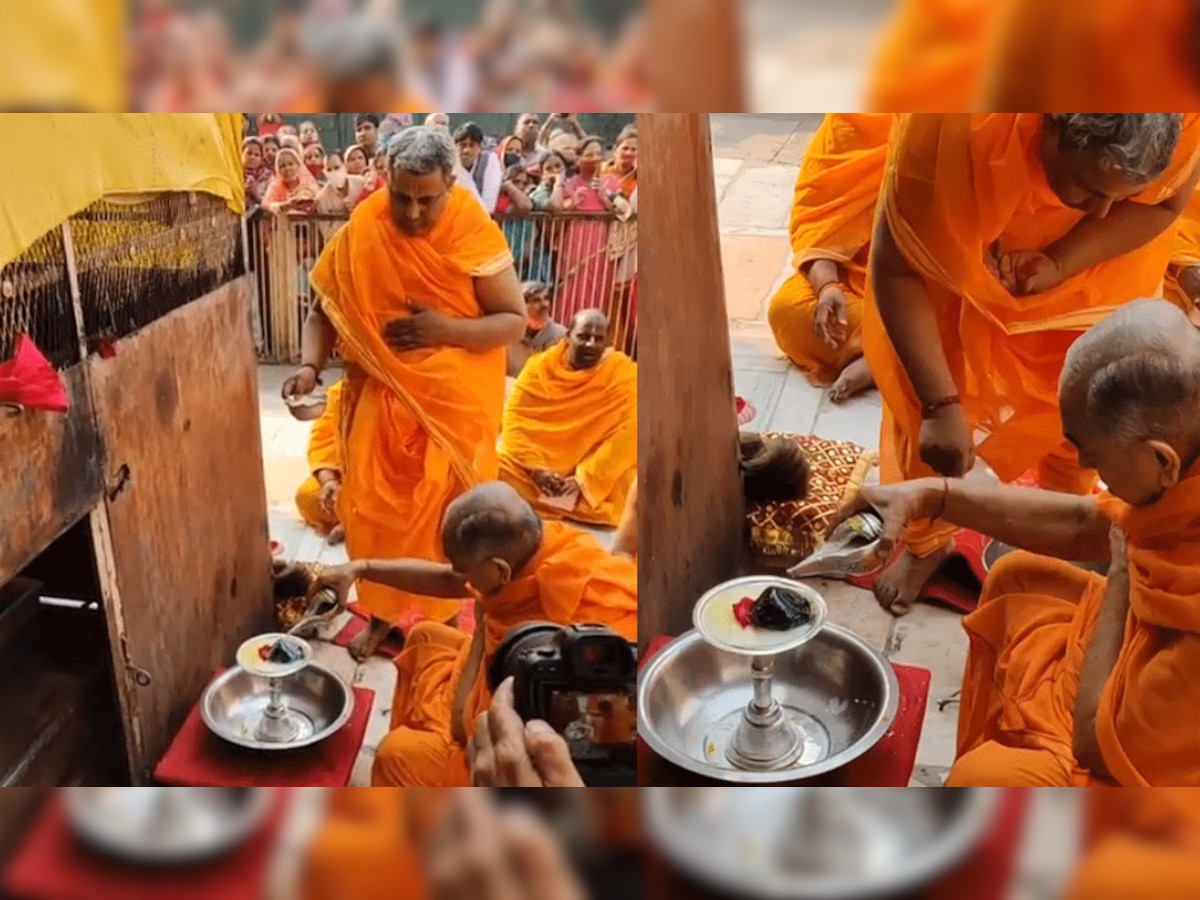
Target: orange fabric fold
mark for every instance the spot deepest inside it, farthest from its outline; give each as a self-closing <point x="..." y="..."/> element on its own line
<point x="833" y="210"/>
<point x="323" y="453"/>
<point x="1185" y="253"/>
<point x="954" y="185"/>
<point x="1028" y="641"/>
<point x="419" y="427"/>
<point x="570" y="579"/>
<point x="580" y="423"/>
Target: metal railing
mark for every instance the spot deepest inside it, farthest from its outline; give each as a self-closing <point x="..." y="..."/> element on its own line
<point x="589" y="260"/>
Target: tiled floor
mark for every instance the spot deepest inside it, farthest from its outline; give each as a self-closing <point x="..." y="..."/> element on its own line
<point x="756" y="160"/>
<point x="285" y="442"/>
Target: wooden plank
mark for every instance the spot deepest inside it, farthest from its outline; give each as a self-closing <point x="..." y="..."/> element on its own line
<point x="51" y="475"/>
<point x="690" y="527"/>
<point x="703" y="43"/>
<point x="190" y="570"/>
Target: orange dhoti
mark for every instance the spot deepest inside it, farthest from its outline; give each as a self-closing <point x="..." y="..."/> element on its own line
<point x="364" y="849"/>
<point x="323" y="453"/>
<point x="580" y="423"/>
<point x="571" y="579"/>
<point x="1005" y="353"/>
<point x="832" y="211"/>
<point x="1029" y="637"/>
<point x="417" y="428"/>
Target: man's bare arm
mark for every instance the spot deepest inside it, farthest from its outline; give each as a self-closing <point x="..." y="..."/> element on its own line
<point x="416" y="576"/>
<point x="1060" y="525"/>
<point x="503" y="320"/>
<point x="317" y="338"/>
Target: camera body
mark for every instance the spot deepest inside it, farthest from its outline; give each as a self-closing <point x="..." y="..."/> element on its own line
<point x="582" y="680"/>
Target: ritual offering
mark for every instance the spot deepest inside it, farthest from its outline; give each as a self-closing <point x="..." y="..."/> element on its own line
<point x="276" y="698"/>
<point x="306" y="407"/>
<point x="851" y="550"/>
<point x="763" y="691"/>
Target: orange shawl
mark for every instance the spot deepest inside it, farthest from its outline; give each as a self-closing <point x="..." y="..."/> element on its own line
<point x="574" y="422"/>
<point x="954" y="185"/>
<point x="1144" y="725"/>
<point x="570" y="579"/>
<point x="833" y="208"/>
<point x="323" y="449"/>
<point x="419" y="427"/>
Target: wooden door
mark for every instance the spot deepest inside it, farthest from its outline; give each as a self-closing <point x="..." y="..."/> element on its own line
<point x="182" y="538"/>
<point x="690" y="503"/>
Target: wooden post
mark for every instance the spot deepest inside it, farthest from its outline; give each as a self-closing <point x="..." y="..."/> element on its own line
<point x="690" y="503"/>
<point x="699" y="62"/>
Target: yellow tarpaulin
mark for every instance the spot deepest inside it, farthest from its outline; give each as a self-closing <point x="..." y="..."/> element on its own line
<point x="57" y="164"/>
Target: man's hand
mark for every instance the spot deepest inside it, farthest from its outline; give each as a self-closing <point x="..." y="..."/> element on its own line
<point x="481" y="852"/>
<point x="830" y="319"/>
<point x="946" y="445"/>
<point x="569" y="485"/>
<point x="506" y="752"/>
<point x="1023" y="272"/>
<point x="340" y="579"/>
<point x="302" y="383"/>
<point x="1189" y="280"/>
<point x="328" y="495"/>
<point x="424" y="328"/>
<point x="897" y="504"/>
<point x="547" y="482"/>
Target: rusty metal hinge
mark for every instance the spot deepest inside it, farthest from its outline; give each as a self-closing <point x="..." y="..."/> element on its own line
<point x="117" y="482"/>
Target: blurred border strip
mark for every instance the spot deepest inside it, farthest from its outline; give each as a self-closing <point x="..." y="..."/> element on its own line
<point x="63" y="55"/>
<point x="699" y="55"/>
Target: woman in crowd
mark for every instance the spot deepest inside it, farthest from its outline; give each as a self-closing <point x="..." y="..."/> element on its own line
<point x="308" y="133"/>
<point x="270" y="146"/>
<point x="584" y="270"/>
<point x="356" y="161"/>
<point x="624" y="162"/>
<point x="256" y="171"/>
<point x="293" y="189"/>
<point x="314" y="161"/>
<point x="340" y="194"/>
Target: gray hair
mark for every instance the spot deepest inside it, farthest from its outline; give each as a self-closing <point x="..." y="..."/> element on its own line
<point x="420" y="150"/>
<point x="1136" y="373"/>
<point x="1138" y="145"/>
<point x="352" y="47"/>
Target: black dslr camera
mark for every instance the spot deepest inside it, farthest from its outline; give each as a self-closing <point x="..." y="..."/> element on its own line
<point x="582" y="680"/>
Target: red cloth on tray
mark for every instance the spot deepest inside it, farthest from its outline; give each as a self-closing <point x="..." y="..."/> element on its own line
<point x="198" y="758"/>
<point x="887" y="764"/>
<point x="53" y="864"/>
<point x="29" y="380"/>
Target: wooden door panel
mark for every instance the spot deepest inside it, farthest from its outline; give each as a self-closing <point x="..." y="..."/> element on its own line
<point x="189" y="569"/>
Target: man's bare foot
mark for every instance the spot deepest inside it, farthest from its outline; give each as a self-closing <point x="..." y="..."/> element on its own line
<point x="855" y="379"/>
<point x="336" y="535"/>
<point x="898" y="586"/>
<point x="364" y="646"/>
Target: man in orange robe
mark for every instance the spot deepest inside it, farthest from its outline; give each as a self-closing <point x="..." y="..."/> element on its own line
<point x="316" y="498"/>
<point x="520" y="570"/>
<point x="816" y="315"/>
<point x="419" y="291"/>
<point x="1074" y="678"/>
<point x="1139" y="843"/>
<point x="569" y="435"/>
<point x="1182" y="284"/>
<point x="1000" y="238"/>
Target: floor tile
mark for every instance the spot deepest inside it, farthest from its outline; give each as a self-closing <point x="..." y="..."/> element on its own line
<point x="761" y="389"/>
<point x="760" y="198"/>
<point x="799" y="402"/>
<point x="751" y="266"/>
<point x="857" y="420"/>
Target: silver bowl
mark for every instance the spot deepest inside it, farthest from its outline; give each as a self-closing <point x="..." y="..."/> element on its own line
<point x="829" y="843"/>
<point x="164" y="825"/>
<point x="233" y="704"/>
<point x="841" y="692"/>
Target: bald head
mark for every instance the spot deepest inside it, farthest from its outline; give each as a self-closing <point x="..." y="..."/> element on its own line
<point x="586" y="338"/>
<point x="1136" y="374"/>
<point x="491" y="520"/>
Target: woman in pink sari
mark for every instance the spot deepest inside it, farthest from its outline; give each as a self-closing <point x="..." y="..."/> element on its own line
<point x="585" y="274"/>
<point x="293" y="189"/>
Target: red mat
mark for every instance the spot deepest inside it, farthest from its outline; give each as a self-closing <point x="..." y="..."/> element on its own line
<point x="960" y="579"/>
<point x="391" y="646"/>
<point x="198" y="758"/>
<point x="887" y="764"/>
<point x="52" y="864"/>
<point x="987" y="873"/>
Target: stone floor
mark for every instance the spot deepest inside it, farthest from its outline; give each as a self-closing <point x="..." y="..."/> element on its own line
<point x="756" y="158"/>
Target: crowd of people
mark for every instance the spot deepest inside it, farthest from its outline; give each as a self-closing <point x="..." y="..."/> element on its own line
<point x="566" y="204"/>
<point x="1047" y="328"/>
<point x="448" y="483"/>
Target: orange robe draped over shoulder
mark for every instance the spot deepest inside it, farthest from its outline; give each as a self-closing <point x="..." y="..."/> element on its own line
<point x="954" y="185"/>
<point x="324" y="452"/>
<point x="417" y="427"/>
<point x="832" y="214"/>
<point x="1028" y="640"/>
<point x="570" y="579"/>
<point x="580" y="423"/>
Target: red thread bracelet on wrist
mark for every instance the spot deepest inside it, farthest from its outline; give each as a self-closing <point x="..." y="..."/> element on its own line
<point x="929" y="410"/>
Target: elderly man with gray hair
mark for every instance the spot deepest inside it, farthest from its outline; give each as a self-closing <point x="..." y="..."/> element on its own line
<point x="999" y="238"/>
<point x="419" y="292"/>
<point x="1075" y="678"/>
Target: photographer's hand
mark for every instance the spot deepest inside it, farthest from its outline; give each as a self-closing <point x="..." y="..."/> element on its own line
<point x="506" y="752"/>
